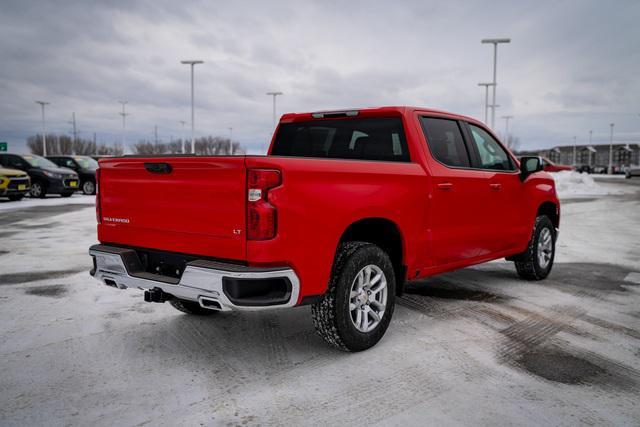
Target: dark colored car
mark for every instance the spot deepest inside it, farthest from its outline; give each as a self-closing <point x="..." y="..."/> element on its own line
<point x="84" y="166"/>
<point x="46" y="176"/>
<point x="632" y="171"/>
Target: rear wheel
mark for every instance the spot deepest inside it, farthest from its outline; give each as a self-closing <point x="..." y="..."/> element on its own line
<point x="16" y="197"/>
<point x="536" y="262"/>
<point x="356" y="310"/>
<point x="89" y="188"/>
<point x="38" y="190"/>
<point x="191" y="307"/>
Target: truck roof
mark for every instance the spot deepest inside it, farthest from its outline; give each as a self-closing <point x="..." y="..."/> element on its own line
<point x="367" y="112"/>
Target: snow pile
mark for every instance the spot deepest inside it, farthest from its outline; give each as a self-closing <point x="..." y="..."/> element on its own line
<point x="53" y="200"/>
<point x="573" y="184"/>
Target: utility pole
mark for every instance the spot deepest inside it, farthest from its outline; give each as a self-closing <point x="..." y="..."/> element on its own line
<point x="75" y="131"/>
<point x="506" y="133"/>
<point x="124" y="116"/>
<point x="611" y="149"/>
<point x="192" y="63"/>
<point x="182" y="122"/>
<point x="486" y="100"/>
<point x="274" y="95"/>
<point x="44" y="128"/>
<point x="495" y="43"/>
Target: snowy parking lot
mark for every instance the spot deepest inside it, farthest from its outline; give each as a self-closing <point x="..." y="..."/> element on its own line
<point x="476" y="346"/>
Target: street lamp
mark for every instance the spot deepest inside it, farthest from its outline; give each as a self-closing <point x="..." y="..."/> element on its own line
<point x="44" y="129"/>
<point x="124" y="115"/>
<point x="506" y="134"/>
<point x="575" y="138"/>
<point x="182" y="122"/>
<point x="486" y="100"/>
<point x="611" y="149"/>
<point x="192" y="63"/>
<point x="495" y="43"/>
<point x="274" y="94"/>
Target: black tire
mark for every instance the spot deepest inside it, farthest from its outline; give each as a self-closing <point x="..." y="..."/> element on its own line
<point x="66" y="194"/>
<point x="627" y="175"/>
<point x="191" y="307"/>
<point x="527" y="264"/>
<point x="331" y="315"/>
<point x="16" y="197"/>
<point x="38" y="190"/>
<point x="88" y="188"/>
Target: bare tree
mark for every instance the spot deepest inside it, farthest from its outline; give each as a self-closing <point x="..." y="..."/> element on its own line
<point x="65" y="145"/>
<point x="148" y="147"/>
<point x="218" y="146"/>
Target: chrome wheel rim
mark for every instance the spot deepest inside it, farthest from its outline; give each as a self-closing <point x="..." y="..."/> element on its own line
<point x="36" y="190"/>
<point x="545" y="248"/>
<point x="88" y="187"/>
<point x="368" y="298"/>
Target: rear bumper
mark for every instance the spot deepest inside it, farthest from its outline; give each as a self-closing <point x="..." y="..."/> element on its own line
<point x="206" y="282"/>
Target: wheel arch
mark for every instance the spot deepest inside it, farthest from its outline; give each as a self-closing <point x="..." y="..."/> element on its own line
<point x="387" y="235"/>
<point x="551" y="210"/>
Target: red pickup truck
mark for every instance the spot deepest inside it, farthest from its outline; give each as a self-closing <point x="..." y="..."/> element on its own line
<point x="345" y="209"/>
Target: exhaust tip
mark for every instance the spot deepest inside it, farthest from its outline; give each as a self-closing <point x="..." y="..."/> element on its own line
<point x="210" y="303"/>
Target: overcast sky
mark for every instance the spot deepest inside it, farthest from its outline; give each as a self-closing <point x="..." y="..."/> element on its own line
<point x="572" y="66"/>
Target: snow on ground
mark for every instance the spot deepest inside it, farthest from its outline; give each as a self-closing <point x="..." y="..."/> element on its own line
<point x="572" y="184"/>
<point x="53" y="200"/>
<point x="473" y="347"/>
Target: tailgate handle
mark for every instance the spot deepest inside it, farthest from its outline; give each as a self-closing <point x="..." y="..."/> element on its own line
<point x="158" y="167"/>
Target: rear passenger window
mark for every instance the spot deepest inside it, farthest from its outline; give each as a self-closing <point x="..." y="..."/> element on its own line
<point x="492" y="155"/>
<point x="445" y="142"/>
<point x="363" y="139"/>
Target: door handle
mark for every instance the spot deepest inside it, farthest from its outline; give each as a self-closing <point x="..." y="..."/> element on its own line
<point x="445" y="186"/>
<point x="495" y="187"/>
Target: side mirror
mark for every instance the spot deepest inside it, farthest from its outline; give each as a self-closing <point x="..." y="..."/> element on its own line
<point x="529" y="165"/>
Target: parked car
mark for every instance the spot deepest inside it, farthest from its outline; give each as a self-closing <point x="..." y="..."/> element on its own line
<point x="632" y="171"/>
<point x="550" y="166"/>
<point x="345" y="209"/>
<point x="84" y="166"/>
<point x="14" y="183"/>
<point x="46" y="177"/>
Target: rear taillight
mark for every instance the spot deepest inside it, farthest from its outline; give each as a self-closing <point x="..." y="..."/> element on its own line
<point x="262" y="221"/>
<point x="98" y="204"/>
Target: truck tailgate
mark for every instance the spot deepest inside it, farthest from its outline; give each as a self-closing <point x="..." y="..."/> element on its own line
<point x="195" y="205"/>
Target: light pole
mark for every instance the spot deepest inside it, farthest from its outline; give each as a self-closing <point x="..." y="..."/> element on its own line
<point x="611" y="149"/>
<point x="182" y="122"/>
<point x="192" y="63"/>
<point x="274" y="94"/>
<point x="590" y="148"/>
<point x="574" y="150"/>
<point x="506" y="133"/>
<point x="495" y="43"/>
<point x="486" y="100"/>
<point x="44" y="128"/>
<point x="230" y="133"/>
<point x="124" y="116"/>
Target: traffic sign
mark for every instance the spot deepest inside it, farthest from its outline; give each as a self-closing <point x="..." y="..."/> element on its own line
<point x="3" y="146"/>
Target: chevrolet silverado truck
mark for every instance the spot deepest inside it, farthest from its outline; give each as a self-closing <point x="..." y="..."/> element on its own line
<point x="346" y="208"/>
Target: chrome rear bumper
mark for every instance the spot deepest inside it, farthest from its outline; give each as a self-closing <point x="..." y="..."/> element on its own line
<point x="201" y="281"/>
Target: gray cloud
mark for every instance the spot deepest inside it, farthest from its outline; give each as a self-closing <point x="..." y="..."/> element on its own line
<point x="571" y="67"/>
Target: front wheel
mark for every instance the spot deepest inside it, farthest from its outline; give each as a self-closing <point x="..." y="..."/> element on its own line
<point x="356" y="310"/>
<point x="536" y="262"/>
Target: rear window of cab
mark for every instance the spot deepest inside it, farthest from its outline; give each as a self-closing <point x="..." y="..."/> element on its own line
<point x="380" y="139"/>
